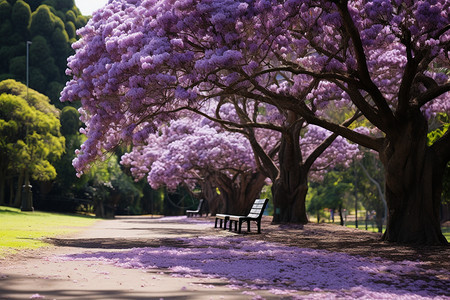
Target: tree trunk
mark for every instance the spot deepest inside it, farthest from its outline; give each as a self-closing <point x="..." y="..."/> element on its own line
<point x="240" y="193"/>
<point x="2" y="186"/>
<point x="379" y="222"/>
<point x="290" y="187"/>
<point x="341" y="216"/>
<point x="289" y="195"/>
<point x="414" y="176"/>
<point x="20" y="182"/>
<point x="99" y="209"/>
<point x="11" y="191"/>
<point x="216" y="204"/>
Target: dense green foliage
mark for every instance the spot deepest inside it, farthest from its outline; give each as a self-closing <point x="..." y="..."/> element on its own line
<point x="51" y="27"/>
<point x="360" y="187"/>
<point x="443" y="125"/>
<point x="106" y="185"/>
<point x="30" y="138"/>
<point x="37" y="140"/>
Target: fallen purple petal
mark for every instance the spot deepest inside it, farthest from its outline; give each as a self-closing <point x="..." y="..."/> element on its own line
<point x="284" y="270"/>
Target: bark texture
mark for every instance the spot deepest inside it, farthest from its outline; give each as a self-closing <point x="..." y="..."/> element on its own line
<point x="290" y="187"/>
<point x="414" y="174"/>
<point x="239" y="193"/>
<point x="216" y="204"/>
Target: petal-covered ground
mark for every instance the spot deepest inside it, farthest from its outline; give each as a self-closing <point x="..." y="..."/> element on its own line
<point x="299" y="273"/>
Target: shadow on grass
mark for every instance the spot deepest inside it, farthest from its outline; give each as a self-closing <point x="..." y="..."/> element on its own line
<point x="9" y="212"/>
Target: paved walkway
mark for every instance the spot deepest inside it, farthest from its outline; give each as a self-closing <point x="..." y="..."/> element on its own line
<point x="37" y="275"/>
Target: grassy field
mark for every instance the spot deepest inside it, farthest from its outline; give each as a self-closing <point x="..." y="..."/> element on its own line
<point x="446" y="232"/>
<point x="445" y="229"/>
<point x="25" y="230"/>
<point x="371" y="226"/>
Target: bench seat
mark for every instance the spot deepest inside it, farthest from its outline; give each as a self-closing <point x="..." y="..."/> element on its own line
<point x="255" y="215"/>
<point x="222" y="218"/>
<point x="198" y="211"/>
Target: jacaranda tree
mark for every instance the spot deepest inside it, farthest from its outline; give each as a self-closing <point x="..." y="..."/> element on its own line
<point x="299" y="149"/>
<point x="284" y="164"/>
<point x="389" y="59"/>
<point x="195" y="151"/>
<point x="384" y="59"/>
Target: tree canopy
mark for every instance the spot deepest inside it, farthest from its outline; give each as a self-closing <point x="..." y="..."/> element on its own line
<point x="30" y="134"/>
<point x="51" y="26"/>
<point x="384" y="60"/>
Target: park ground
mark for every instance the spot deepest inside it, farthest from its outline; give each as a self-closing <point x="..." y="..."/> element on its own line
<point x="187" y="258"/>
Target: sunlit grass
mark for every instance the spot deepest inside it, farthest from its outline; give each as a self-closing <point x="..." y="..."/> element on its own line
<point x="445" y="230"/>
<point x="25" y="230"/>
<point x="371" y="226"/>
<point x="446" y="233"/>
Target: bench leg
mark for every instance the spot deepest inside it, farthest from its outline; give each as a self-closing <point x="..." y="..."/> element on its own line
<point x="248" y="226"/>
<point x="215" y="223"/>
<point x="259" y="226"/>
<point x="240" y="226"/>
<point x="225" y="221"/>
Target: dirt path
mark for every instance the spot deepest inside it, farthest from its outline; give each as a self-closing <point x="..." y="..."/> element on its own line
<point x="34" y="274"/>
<point x="43" y="273"/>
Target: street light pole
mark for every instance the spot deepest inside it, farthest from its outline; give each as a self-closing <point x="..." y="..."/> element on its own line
<point x="27" y="195"/>
<point x="28" y="63"/>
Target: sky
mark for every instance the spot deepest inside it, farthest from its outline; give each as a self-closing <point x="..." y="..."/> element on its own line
<point x="87" y="7"/>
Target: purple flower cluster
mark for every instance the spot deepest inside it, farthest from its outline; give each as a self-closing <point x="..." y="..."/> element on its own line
<point x="188" y="150"/>
<point x="140" y="60"/>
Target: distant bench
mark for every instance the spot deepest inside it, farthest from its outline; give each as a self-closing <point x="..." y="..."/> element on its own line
<point x="255" y="215"/>
<point x="198" y="211"/>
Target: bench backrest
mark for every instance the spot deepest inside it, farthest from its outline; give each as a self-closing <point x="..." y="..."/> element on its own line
<point x="258" y="208"/>
<point x="200" y="204"/>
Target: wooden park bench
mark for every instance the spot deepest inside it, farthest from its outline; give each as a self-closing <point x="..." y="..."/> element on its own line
<point x="198" y="211"/>
<point x="221" y="217"/>
<point x="255" y="214"/>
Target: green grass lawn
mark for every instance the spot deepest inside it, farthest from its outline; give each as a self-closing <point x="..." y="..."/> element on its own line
<point x="372" y="227"/>
<point x="25" y="230"/>
<point x="445" y="230"/>
<point x="446" y="233"/>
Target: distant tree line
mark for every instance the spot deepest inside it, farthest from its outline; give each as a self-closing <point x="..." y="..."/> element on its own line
<point x="51" y="27"/>
<point x="38" y="133"/>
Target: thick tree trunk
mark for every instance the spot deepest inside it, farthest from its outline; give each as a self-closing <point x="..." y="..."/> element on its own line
<point x="240" y="194"/>
<point x="216" y="204"/>
<point x="289" y="196"/>
<point x="290" y="187"/>
<point x="414" y="176"/>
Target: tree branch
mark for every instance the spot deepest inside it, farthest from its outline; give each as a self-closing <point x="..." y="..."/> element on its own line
<point x="432" y="93"/>
<point x="363" y="70"/>
<point x="328" y="141"/>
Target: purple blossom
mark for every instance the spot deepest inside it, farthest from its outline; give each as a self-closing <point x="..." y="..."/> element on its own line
<point x="284" y="270"/>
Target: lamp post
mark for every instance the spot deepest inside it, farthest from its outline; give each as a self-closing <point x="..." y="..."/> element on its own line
<point x="28" y="63"/>
<point x="27" y="195"/>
